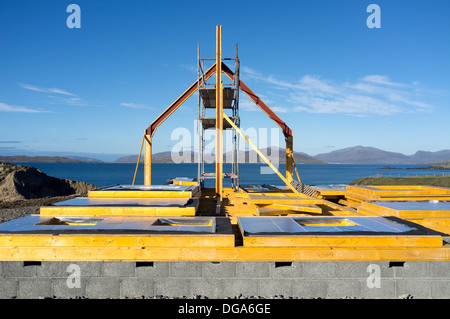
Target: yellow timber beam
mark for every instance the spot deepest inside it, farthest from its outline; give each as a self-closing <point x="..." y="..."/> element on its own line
<point x="219" y="112"/>
<point x="223" y="254"/>
<point x="259" y="153"/>
<point x="148" y="160"/>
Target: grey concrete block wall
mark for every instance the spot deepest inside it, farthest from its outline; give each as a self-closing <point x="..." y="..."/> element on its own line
<point x="224" y="279"/>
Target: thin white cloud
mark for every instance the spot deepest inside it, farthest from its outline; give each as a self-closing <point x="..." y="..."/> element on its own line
<point x="381" y="79"/>
<point x="71" y="101"/>
<point x="372" y="94"/>
<point x="46" y="90"/>
<point x="135" y="105"/>
<point x="17" y="109"/>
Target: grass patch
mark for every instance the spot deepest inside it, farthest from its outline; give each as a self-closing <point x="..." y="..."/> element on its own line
<point x="440" y="181"/>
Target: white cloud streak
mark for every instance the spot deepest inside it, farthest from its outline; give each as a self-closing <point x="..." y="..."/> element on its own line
<point x="135" y="106"/>
<point x="17" y="109"/>
<point x="372" y="94"/>
<point x="46" y="90"/>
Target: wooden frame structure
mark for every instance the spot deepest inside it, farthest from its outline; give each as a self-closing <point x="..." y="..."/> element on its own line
<point x="49" y="238"/>
<point x="218" y="68"/>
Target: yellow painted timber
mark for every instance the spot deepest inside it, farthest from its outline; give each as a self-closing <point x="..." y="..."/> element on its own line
<point x="281" y="194"/>
<point x="349" y="203"/>
<point x="126" y="240"/>
<point x="219" y="113"/>
<point x="259" y="153"/>
<point x="297" y="208"/>
<point x="184" y="183"/>
<point x="148" y="160"/>
<point x="116" y="211"/>
<point x="437" y="224"/>
<point x="141" y="194"/>
<point x="397" y="192"/>
<point x="414" y="197"/>
<point x="386" y="211"/>
<point x="342" y="241"/>
<point x="343" y="211"/>
<point x="367" y="212"/>
<point x="264" y="199"/>
<point x="238" y="254"/>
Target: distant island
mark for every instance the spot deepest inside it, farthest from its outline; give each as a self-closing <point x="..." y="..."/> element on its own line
<point x="437" y="165"/>
<point x="42" y="159"/>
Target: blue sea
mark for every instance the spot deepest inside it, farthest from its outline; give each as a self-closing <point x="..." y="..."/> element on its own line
<point x="328" y="175"/>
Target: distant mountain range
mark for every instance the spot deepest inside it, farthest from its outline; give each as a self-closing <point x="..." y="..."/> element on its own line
<point x="350" y="155"/>
<point x="274" y="155"/>
<point x="47" y="159"/>
<point x="371" y="155"/>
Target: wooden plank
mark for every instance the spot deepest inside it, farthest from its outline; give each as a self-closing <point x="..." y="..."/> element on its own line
<point x="238" y="254"/>
<point x="264" y="199"/>
<point x="148" y="160"/>
<point x="74" y="241"/>
<point x="116" y="211"/>
<point x="297" y="208"/>
<point x="342" y="241"/>
<point x="139" y="194"/>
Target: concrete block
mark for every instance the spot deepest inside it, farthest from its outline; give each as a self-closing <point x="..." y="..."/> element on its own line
<point x="244" y="287"/>
<point x="59" y="269"/>
<point x="103" y="287"/>
<point x="386" y="290"/>
<point x="440" y="289"/>
<point x="319" y="269"/>
<point x="155" y="269"/>
<point x="171" y="287"/>
<point x="137" y="287"/>
<point x="286" y="270"/>
<point x="62" y="290"/>
<point x="11" y="269"/>
<point x="186" y="269"/>
<point x="35" y="288"/>
<point x="439" y="269"/>
<point x="362" y="270"/>
<point x="119" y="269"/>
<point x="344" y="288"/>
<point x="268" y="288"/>
<point x="418" y="289"/>
<point x="252" y="269"/>
<point x="89" y="268"/>
<point x="309" y="288"/>
<point x="210" y="288"/>
<point x="412" y="270"/>
<point x="8" y="288"/>
<point x="219" y="270"/>
<point x="53" y="269"/>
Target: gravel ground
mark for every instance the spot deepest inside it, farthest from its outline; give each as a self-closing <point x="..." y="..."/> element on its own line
<point x="21" y="208"/>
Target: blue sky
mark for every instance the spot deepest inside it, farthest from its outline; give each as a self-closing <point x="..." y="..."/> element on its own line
<point x="333" y="80"/>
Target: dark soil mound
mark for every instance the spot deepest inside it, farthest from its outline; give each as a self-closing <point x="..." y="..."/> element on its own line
<point x="18" y="182"/>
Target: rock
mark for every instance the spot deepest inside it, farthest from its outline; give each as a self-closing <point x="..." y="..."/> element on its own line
<point x="18" y="182"/>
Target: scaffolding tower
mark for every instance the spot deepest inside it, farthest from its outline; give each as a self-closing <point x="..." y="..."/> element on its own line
<point x="221" y="97"/>
<point x="206" y="103"/>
